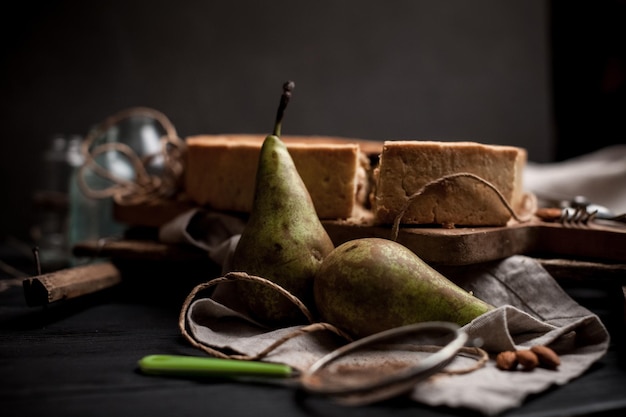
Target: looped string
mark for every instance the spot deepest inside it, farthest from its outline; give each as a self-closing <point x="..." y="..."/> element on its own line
<point x="398" y="219"/>
<point x="234" y="276"/>
<point x="144" y="187"/>
<point x="479" y="355"/>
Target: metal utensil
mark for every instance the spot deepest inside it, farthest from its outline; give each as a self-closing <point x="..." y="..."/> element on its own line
<point x="580" y="209"/>
<point x="340" y="375"/>
<point x="370" y="369"/>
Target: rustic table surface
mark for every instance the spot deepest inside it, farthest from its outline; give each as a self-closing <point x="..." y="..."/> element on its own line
<point x="78" y="357"/>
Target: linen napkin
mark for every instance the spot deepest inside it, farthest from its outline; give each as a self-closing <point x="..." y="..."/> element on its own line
<point x="532" y="309"/>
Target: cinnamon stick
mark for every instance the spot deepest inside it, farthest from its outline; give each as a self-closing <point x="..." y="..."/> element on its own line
<point x="70" y="283"/>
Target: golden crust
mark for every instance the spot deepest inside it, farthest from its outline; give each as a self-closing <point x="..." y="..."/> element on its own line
<point x="407" y="166"/>
<point x="220" y="172"/>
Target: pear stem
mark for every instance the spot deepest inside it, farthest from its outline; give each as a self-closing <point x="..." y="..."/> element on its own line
<point x="284" y="100"/>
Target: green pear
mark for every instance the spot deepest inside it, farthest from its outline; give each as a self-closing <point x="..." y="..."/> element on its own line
<point x="283" y="240"/>
<point x="369" y="285"/>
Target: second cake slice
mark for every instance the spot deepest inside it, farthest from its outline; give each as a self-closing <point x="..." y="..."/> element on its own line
<point x="406" y="167"/>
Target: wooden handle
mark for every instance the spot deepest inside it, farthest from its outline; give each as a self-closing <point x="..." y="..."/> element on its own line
<point x="70" y="283"/>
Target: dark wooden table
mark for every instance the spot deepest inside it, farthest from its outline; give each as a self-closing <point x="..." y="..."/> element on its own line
<point x="79" y="358"/>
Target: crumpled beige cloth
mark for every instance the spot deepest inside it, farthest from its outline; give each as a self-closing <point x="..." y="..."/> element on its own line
<point x="217" y="233"/>
<point x="599" y="176"/>
<point x="531" y="309"/>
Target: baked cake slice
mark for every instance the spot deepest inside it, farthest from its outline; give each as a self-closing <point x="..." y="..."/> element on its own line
<point x="221" y="169"/>
<point x="406" y="167"/>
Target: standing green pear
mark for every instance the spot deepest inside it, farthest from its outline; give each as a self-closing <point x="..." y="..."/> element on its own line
<point x="369" y="285"/>
<point x="283" y="240"/>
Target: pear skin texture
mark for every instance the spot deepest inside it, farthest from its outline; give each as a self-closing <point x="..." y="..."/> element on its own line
<point x="369" y="285"/>
<point x="283" y="241"/>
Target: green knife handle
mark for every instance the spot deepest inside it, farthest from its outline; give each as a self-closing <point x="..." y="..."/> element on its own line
<point x="200" y="366"/>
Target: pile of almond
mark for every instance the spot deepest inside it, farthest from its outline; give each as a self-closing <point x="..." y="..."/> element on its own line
<point x="528" y="359"/>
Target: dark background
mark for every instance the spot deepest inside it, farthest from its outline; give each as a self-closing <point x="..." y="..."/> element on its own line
<point x="544" y="75"/>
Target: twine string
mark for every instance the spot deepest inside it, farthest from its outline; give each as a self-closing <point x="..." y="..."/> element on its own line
<point x="144" y="187"/>
<point x="313" y="326"/>
<point x="478" y="354"/>
<point x="411" y="199"/>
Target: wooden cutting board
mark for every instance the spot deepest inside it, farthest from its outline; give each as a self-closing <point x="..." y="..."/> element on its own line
<point x="458" y="246"/>
<point x="464" y="246"/>
<point x="586" y="252"/>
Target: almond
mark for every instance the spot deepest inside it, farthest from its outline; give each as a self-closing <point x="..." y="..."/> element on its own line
<point x="528" y="359"/>
<point x="506" y="360"/>
<point x="547" y="357"/>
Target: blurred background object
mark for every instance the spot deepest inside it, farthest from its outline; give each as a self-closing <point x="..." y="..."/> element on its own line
<point x="51" y="201"/>
<point x="544" y="75"/>
<point x="108" y="162"/>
